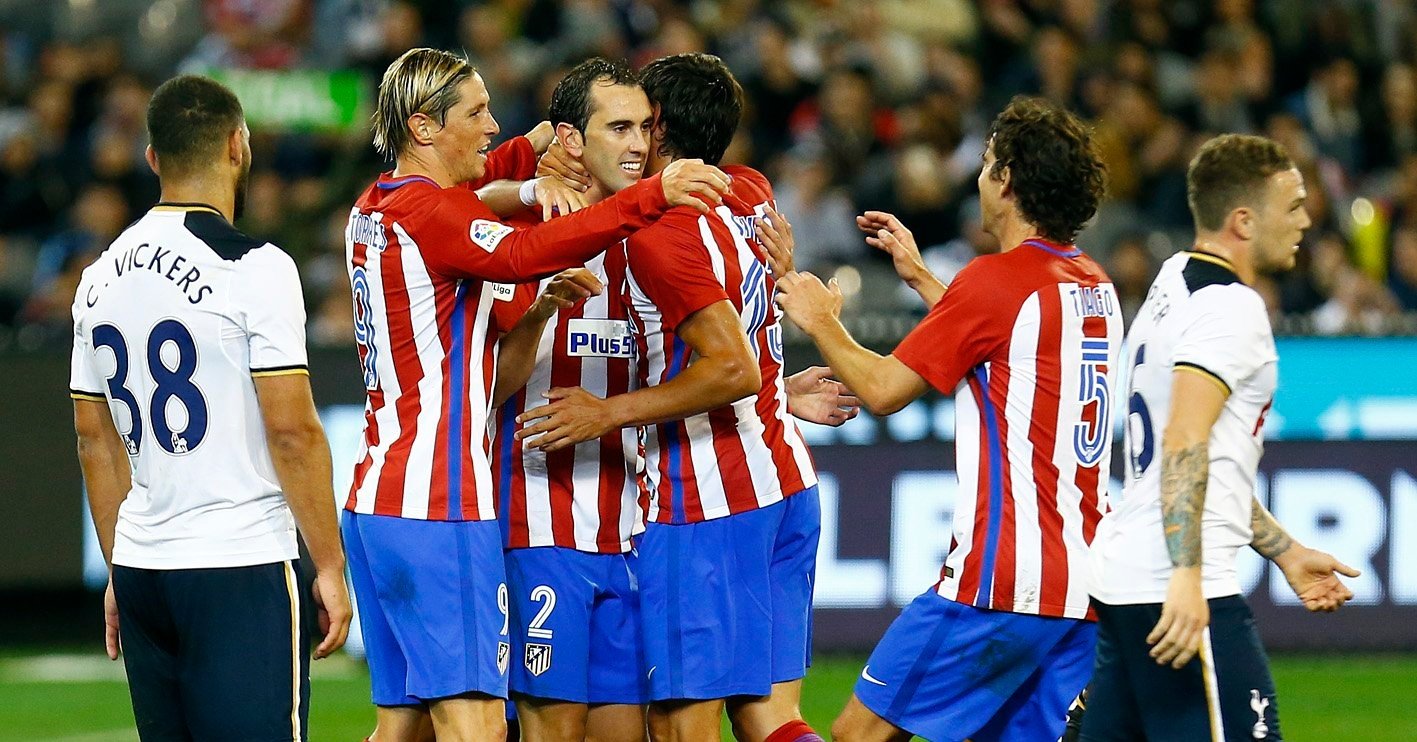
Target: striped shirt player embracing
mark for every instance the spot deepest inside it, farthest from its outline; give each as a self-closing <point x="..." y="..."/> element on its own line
<point x="726" y="563"/>
<point x="1028" y="342"/>
<point x="425" y="551"/>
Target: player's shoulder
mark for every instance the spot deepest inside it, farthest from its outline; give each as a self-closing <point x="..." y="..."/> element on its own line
<point x="225" y="241"/>
<point x="748" y="184"/>
<point x="1213" y="284"/>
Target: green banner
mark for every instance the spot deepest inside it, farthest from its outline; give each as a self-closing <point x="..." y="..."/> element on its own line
<point x="301" y="100"/>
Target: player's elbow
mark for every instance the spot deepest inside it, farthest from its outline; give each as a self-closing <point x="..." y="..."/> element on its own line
<point x="293" y="438"/>
<point x="740" y="377"/>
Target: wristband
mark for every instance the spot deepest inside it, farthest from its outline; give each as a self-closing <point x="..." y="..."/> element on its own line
<point x="527" y="193"/>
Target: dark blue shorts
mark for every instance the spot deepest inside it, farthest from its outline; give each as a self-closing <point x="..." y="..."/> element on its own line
<point x="1225" y="693"/>
<point x="216" y="654"/>
<point x="432" y="600"/>
<point x="727" y="603"/>
<point x="575" y="626"/>
<point x="947" y="671"/>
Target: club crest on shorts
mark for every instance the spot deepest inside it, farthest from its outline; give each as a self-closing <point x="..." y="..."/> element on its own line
<point x="1259" y="704"/>
<point x="504" y="656"/>
<point x="538" y="658"/>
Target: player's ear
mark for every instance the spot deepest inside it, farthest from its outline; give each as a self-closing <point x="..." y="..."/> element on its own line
<point x="420" y="129"/>
<point x="571" y="138"/>
<point x="150" y="155"/>
<point x="1006" y="182"/>
<point x="1241" y="223"/>
<point x="234" y="153"/>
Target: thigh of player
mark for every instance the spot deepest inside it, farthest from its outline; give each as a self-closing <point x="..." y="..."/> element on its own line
<point x="150" y="652"/>
<point x="245" y="656"/>
<point x="945" y="670"/>
<point x="433" y="599"/>
<point x="706" y="602"/>
<point x="792" y="574"/>
<point x="1111" y="712"/>
<point x="1038" y="709"/>
<point x="1245" y="688"/>
<point x="574" y="626"/>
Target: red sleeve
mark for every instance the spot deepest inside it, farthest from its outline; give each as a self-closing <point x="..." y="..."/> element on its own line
<point x="961" y="331"/>
<point x="514" y="159"/>
<point x="672" y="265"/>
<point x="460" y="237"/>
<point x="506" y="313"/>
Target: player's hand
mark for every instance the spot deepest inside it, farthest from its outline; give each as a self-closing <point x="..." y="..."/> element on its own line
<point x="692" y="183"/>
<point x="573" y="416"/>
<point x="559" y="163"/>
<point x="811" y="304"/>
<point x="332" y="608"/>
<point x="885" y="233"/>
<point x="814" y="397"/>
<point x="567" y="288"/>
<point x="1313" y="575"/>
<point x="541" y="136"/>
<point x="110" y="622"/>
<point x="775" y="234"/>
<point x="1184" y="616"/>
<point x="556" y="198"/>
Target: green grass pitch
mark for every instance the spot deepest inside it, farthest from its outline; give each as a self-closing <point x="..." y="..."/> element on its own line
<point x="82" y="698"/>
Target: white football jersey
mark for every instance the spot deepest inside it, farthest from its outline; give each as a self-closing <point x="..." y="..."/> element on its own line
<point x="171" y="323"/>
<point x="1198" y="317"/>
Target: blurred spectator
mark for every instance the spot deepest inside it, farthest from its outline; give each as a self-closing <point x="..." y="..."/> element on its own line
<point x="253" y="34"/>
<point x="1402" y="269"/>
<point x="1131" y="268"/>
<point x="1328" y="108"/>
<point x="822" y="216"/>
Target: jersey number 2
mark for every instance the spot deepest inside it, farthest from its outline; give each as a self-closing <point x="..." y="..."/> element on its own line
<point x="170" y="383"/>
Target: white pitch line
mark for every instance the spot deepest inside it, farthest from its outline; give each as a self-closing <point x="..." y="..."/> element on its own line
<point x="109" y="735"/>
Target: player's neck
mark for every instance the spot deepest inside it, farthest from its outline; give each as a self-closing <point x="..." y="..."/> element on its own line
<point x="1237" y="256"/>
<point x="1014" y="231"/>
<point x="414" y="163"/>
<point x="200" y="191"/>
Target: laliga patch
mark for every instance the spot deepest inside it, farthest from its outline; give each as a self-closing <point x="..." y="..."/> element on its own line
<point x="538" y="658"/>
<point x="487" y="235"/>
<point x="504" y="291"/>
<point x="604" y="338"/>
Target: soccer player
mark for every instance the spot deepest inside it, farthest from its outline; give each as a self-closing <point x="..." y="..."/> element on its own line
<point x="568" y="515"/>
<point x="425" y="551"/>
<point x="1028" y="340"/>
<point x="200" y="445"/>
<point x="728" y="556"/>
<point x="1178" y="657"/>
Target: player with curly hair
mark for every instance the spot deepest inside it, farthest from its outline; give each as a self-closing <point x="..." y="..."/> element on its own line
<point x="1028" y="340"/>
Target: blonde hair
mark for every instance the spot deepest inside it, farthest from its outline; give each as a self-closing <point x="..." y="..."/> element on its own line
<point x="420" y="81"/>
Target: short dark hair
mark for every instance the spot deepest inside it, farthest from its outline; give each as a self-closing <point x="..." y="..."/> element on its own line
<point x="1230" y="171"/>
<point x="1056" y="174"/>
<point x="699" y="102"/>
<point x="571" y="100"/>
<point x="189" y="118"/>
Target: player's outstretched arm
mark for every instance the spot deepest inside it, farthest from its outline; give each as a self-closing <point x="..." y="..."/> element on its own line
<point x="814" y="396"/>
<point x="549" y="195"/>
<point x="516" y="351"/>
<point x="886" y="233"/>
<point x="1311" y="573"/>
<point x="882" y="383"/>
<point x="104" y="462"/>
<point x="301" y="456"/>
<point x="723" y="370"/>
<point x="1196" y="401"/>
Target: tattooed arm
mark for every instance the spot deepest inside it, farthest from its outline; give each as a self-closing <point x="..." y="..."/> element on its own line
<point x="1311" y="573"/>
<point x="1196" y="401"/>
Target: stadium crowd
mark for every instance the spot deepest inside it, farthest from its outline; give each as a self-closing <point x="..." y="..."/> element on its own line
<point x="878" y="104"/>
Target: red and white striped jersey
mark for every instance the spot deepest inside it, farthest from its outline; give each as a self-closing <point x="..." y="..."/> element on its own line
<point x="585" y="497"/>
<point x="1029" y="341"/>
<point x="746" y="455"/>
<point x="422" y="260"/>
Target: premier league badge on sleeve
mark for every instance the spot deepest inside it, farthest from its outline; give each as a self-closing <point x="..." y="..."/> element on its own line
<point x="538" y="658"/>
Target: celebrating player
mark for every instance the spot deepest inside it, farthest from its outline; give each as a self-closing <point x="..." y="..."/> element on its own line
<point x="1028" y="341"/>
<point x="199" y="441"/>
<point x="727" y="559"/>
<point x="425" y="552"/>
<point x="1178" y="657"/>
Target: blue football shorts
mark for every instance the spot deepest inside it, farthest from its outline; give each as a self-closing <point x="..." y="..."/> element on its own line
<point x="727" y="603"/>
<point x="947" y="671"/>
<point x="432" y="601"/>
<point x="575" y="627"/>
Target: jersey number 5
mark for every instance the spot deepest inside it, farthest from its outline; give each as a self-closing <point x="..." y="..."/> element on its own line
<point x="1090" y="436"/>
<point x="172" y="383"/>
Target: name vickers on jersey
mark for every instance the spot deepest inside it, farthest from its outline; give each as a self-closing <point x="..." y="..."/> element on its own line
<point x="162" y="261"/>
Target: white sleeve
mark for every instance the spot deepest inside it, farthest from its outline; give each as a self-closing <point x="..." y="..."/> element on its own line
<point x="1224" y="336"/>
<point x="85" y="380"/>
<point x="274" y="309"/>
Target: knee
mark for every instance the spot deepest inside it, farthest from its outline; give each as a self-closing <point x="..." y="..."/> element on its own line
<point x="843" y="730"/>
